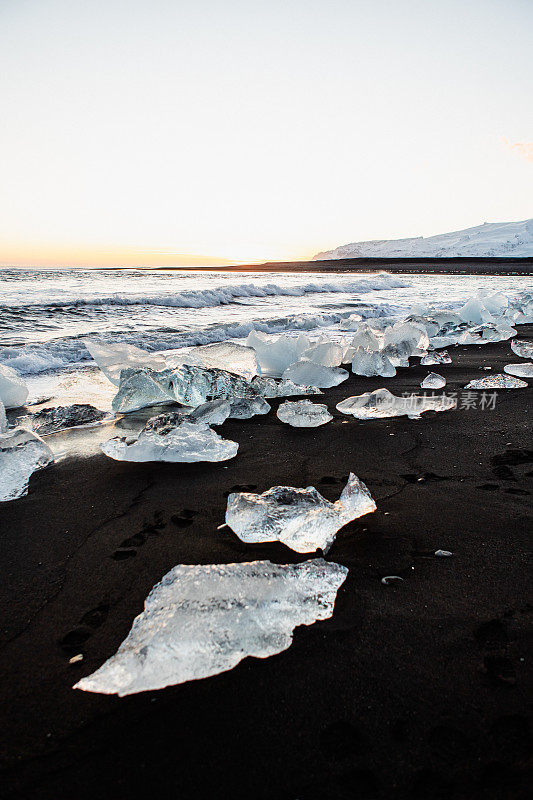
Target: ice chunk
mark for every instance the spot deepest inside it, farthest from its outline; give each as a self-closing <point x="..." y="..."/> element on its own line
<point x="186" y="442"/>
<point x="381" y="403"/>
<point x="201" y="620"/>
<point x="493" y="332"/>
<point x="329" y="354"/>
<point x="406" y="338"/>
<point x="13" y="390"/>
<point x="522" y="348"/>
<point x="303" y="414"/>
<point x="433" y="381"/>
<point x="52" y="420"/>
<point x="443" y="553"/>
<point x="275" y="353"/>
<point x="140" y="388"/>
<point x="3" y="419"/>
<point x="215" y="412"/>
<point x="248" y="407"/>
<point x="390" y="579"/>
<point x="367" y="338"/>
<point x="497" y="382"/>
<point x="268" y="387"/>
<point x="21" y="454"/>
<point x="368" y="363"/>
<point x="192" y="385"/>
<point x="474" y="311"/>
<point x="113" y="358"/>
<point x="308" y="373"/>
<point x="436" y="358"/>
<point x="524" y="370"/>
<point x="300" y="518"/>
<point x="228" y="356"/>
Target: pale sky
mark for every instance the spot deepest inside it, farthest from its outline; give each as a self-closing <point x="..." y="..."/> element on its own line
<point x="132" y="132"/>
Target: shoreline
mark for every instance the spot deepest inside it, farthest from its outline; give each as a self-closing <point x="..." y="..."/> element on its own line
<point x="403" y="266"/>
<point x="411" y="691"/>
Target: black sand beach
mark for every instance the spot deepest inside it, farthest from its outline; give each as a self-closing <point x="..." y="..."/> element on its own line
<point x="465" y="265"/>
<point x="417" y="690"/>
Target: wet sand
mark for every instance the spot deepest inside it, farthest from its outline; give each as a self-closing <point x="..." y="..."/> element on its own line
<point x="418" y="690"/>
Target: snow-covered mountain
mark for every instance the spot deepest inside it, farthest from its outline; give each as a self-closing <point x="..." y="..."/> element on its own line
<point x="489" y="239"/>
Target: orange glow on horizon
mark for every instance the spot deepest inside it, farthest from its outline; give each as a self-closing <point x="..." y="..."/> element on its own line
<point x="48" y="255"/>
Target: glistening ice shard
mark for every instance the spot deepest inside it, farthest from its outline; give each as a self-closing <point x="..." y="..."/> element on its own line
<point x="300" y="518"/>
<point x="303" y="414"/>
<point x="382" y="403"/>
<point x="524" y="370"/>
<point x="202" y="620"/>
<point x="497" y="382"/>
<point x="433" y="381"/>
<point x="186" y="442"/>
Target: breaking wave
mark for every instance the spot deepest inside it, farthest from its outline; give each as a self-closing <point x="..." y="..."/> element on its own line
<point x="221" y="295"/>
<point x="33" y="359"/>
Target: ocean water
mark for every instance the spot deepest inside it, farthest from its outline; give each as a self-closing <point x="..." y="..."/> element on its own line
<point x="45" y="315"/>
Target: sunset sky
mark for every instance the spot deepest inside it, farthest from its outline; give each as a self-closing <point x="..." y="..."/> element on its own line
<point x="201" y="131"/>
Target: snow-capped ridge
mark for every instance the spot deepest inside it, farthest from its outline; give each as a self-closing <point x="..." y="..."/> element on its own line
<point x="491" y="239"/>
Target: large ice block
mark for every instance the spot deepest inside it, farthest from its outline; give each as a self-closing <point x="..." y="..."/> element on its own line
<point x="300" y="518"/>
<point x="201" y="620"/>
<point x="113" y="358"/>
<point x="186" y="442"/>
<point x="382" y="403"/>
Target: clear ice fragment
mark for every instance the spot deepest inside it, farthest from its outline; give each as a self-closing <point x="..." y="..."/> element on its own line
<point x="497" y="382"/>
<point x="443" y="553"/>
<point x="370" y="363"/>
<point x="524" y="370"/>
<point x="329" y="354"/>
<point x="113" y="358"/>
<point x="202" y="620"/>
<point x="186" y="442"/>
<point x="382" y="403"/>
<point x="303" y="414"/>
<point x="436" y="358"/>
<point x="21" y="454"/>
<point x="246" y="408"/>
<point x="308" y="373"/>
<point x="522" y="348"/>
<point x="300" y="518"/>
<point x="433" y="381"/>
<point x="228" y="356"/>
<point x="13" y="390"/>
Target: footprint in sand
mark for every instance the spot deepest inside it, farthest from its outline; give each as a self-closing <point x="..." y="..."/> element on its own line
<point x="88" y="623"/>
<point x="128" y="547"/>
<point x="183" y="518"/>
